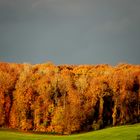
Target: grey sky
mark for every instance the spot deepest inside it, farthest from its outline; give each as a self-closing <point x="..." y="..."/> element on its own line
<point x="70" y="31"/>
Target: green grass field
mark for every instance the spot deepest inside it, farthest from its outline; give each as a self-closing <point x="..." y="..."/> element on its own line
<point x="128" y="132"/>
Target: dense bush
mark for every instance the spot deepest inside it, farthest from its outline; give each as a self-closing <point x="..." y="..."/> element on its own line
<point x="68" y="98"/>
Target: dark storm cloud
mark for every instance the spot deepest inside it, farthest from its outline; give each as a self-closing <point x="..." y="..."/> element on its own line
<point x="70" y="31"/>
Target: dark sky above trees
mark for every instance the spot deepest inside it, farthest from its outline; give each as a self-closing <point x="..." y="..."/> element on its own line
<point x="70" y="31"/>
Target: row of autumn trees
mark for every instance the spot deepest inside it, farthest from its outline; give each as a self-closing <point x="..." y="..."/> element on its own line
<point x="68" y="98"/>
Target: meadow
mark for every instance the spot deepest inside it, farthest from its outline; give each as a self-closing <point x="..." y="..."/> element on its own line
<point x="130" y="132"/>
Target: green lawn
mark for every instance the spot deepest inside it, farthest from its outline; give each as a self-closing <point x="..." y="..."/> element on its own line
<point x="128" y="132"/>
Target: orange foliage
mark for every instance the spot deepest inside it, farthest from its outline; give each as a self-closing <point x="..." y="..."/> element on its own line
<point x="68" y="98"/>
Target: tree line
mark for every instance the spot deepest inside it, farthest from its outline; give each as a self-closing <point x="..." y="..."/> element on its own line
<point x="66" y="99"/>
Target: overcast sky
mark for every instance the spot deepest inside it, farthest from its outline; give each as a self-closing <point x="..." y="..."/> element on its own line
<point x="70" y="31"/>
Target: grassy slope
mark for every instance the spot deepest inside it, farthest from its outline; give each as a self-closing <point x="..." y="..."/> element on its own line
<point x="129" y="132"/>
